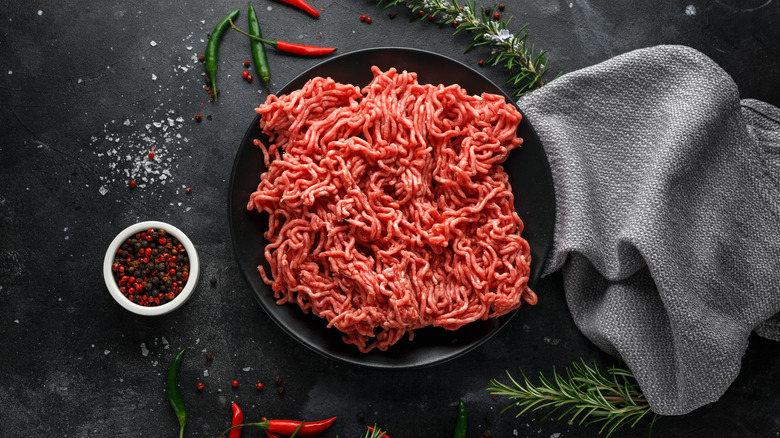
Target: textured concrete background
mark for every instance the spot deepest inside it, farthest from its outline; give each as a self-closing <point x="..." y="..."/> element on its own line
<point x="87" y="88"/>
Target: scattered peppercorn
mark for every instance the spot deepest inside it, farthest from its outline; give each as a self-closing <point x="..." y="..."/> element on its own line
<point x="213" y="281"/>
<point x="132" y="184"/>
<point x="487" y="433"/>
<point x="369" y="20"/>
<point x="361" y="416"/>
<point x="481" y="63"/>
<point x="281" y="390"/>
<point x="188" y="190"/>
<point x="392" y="15"/>
<point x="209" y="356"/>
<point x="363" y="17"/>
<point x="234" y="383"/>
<point x="501" y="6"/>
<point x="201" y="58"/>
<point x="495" y="397"/>
<point x="246" y="63"/>
<point x="200" y="386"/>
<point x="198" y="118"/>
<point x="208" y="117"/>
<point x="260" y="386"/>
<point x="497" y="16"/>
<point x="151" y="267"/>
<point x="278" y="379"/>
<point x="244" y="74"/>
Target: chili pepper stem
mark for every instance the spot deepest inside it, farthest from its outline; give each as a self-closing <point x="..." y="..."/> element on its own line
<point x="297" y="429"/>
<point x="263" y="40"/>
<point x="262" y="424"/>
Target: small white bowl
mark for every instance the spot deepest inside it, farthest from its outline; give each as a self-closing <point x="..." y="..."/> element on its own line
<point x="170" y="306"/>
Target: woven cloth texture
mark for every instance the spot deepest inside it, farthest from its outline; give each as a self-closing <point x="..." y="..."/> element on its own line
<point x="667" y="229"/>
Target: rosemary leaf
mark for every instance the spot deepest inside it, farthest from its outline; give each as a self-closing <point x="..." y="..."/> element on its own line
<point x="583" y="393"/>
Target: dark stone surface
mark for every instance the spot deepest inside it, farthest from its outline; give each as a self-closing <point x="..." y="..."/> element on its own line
<point x="79" y="110"/>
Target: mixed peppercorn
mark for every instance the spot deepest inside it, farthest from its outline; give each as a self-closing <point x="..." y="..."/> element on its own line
<point x="151" y="267"/>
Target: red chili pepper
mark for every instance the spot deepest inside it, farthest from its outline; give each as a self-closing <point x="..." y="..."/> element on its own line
<point x="238" y="418"/>
<point x="301" y="49"/>
<point x="271" y="434"/>
<point x="284" y="46"/>
<point x="302" y="5"/>
<point x="287" y="427"/>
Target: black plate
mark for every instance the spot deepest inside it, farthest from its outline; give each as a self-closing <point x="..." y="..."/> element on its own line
<point x="529" y="174"/>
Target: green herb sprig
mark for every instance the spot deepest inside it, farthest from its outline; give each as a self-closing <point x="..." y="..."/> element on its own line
<point x="584" y="392"/>
<point x="525" y="65"/>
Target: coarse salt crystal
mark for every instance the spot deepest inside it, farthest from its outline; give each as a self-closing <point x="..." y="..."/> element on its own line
<point x="153" y="43"/>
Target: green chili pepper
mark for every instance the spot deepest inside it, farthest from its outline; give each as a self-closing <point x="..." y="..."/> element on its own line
<point x="460" y="424"/>
<point x="212" y="50"/>
<point x="174" y="395"/>
<point x="258" y="48"/>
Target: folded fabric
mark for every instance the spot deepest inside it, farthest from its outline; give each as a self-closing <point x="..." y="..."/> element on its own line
<point x="667" y="225"/>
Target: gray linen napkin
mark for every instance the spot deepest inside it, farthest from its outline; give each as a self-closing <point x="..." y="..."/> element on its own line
<point x="667" y="229"/>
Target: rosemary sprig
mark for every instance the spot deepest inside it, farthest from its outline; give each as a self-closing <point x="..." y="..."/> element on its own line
<point x="525" y="66"/>
<point x="612" y="397"/>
